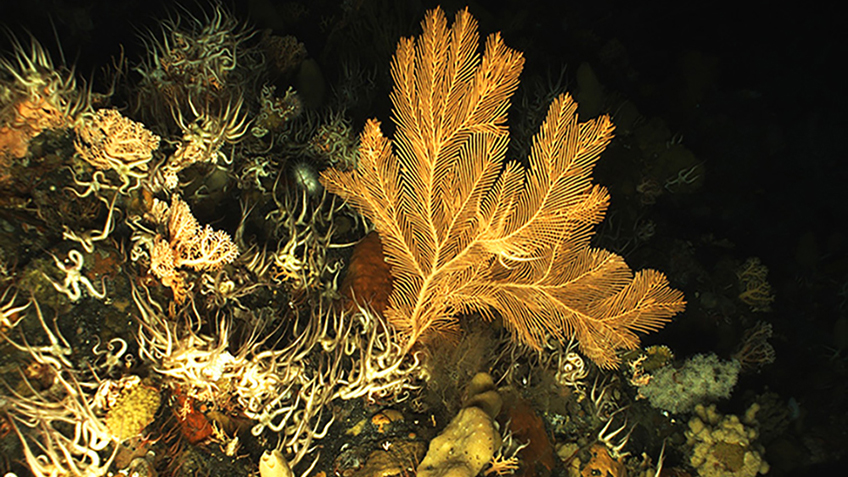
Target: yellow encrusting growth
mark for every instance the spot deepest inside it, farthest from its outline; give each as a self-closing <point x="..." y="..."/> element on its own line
<point x="132" y="412"/>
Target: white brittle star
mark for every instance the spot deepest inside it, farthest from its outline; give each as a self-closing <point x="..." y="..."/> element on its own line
<point x="115" y="350"/>
<point x="74" y="277"/>
<point x="9" y="312"/>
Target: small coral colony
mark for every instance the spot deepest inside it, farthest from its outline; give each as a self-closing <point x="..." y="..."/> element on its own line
<point x="206" y="273"/>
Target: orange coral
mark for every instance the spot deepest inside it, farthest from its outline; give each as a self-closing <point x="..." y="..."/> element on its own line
<point x="755" y="350"/>
<point x="196" y="247"/>
<point x="109" y="140"/>
<point x="191" y="246"/>
<point x="163" y="266"/>
<point x="464" y="230"/>
<point x="756" y="290"/>
<point x="285" y="53"/>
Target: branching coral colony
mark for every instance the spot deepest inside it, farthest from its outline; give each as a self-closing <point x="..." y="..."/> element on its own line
<point x="239" y="328"/>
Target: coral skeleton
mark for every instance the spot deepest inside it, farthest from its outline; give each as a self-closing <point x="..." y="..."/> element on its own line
<point x="190" y="246"/>
<point x="109" y="141"/>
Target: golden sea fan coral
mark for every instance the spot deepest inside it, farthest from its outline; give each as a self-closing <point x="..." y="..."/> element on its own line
<point x="465" y="230"/>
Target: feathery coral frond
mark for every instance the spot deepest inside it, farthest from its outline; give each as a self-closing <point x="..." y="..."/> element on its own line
<point x="464" y="230"/>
